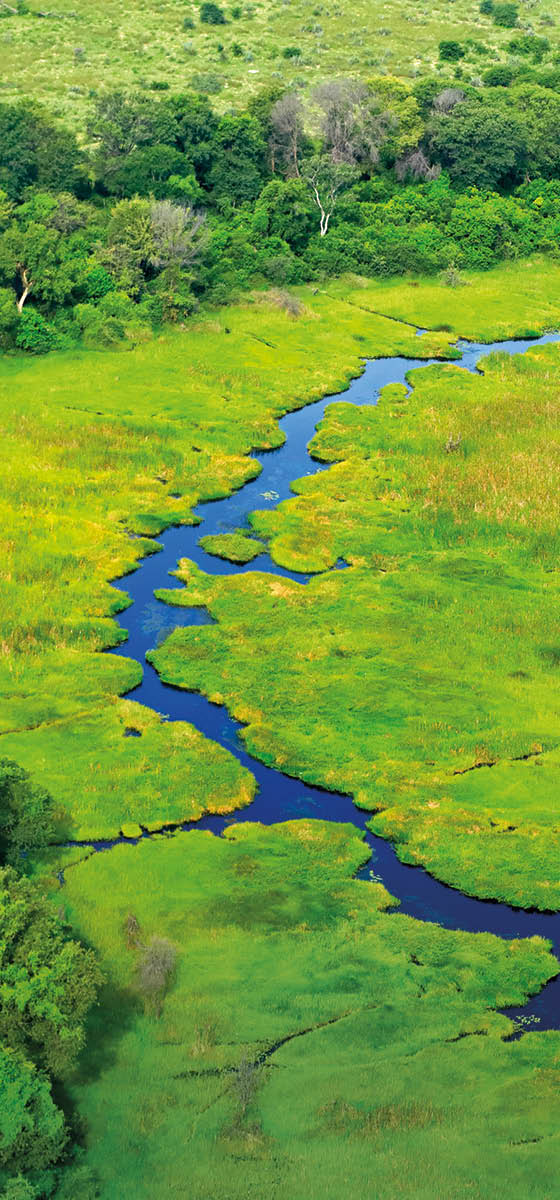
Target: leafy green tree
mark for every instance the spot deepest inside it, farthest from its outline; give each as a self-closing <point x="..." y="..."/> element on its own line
<point x="122" y="123"/>
<point x="48" y="982"/>
<point x="129" y="244"/>
<point x="538" y="110"/>
<point x="480" y="144"/>
<point x="326" y="180"/>
<point x="32" y="1130"/>
<point x="38" y="260"/>
<point x="146" y="171"/>
<point x="238" y="159"/>
<point x="195" y="125"/>
<point x="35" y="151"/>
<point x="26" y="813"/>
<point x="285" y="209"/>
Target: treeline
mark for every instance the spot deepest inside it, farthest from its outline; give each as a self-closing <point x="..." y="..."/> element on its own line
<point x="49" y="982"/>
<point x="165" y="202"/>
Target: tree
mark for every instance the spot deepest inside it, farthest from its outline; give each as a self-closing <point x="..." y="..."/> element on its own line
<point x="146" y="171"/>
<point x="480" y="144"/>
<point x="32" y="1131"/>
<point x="326" y="180"/>
<point x="129" y="244"/>
<point x="352" y="124"/>
<point x="238" y="156"/>
<point x="25" y="813"/>
<point x="123" y="122"/>
<point x="179" y="236"/>
<point x="285" y="209"/>
<point x="286" y="121"/>
<point x="38" y="260"/>
<point x="33" y="150"/>
<point x="48" y="981"/>
<point x="538" y="110"/>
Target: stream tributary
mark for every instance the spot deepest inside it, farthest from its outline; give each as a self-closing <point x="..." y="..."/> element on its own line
<point x="281" y="797"/>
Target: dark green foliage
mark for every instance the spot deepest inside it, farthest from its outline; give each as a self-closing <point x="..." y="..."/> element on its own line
<point x="499" y="76"/>
<point x="486" y="7"/>
<point x="238" y="159"/>
<point x="480" y="144"/>
<point x="451" y="51"/>
<point x="291" y="52"/>
<point x="505" y="13"/>
<point x="49" y="981"/>
<point x="34" y="151"/>
<point x="32" y="1131"/>
<point x="211" y="14"/>
<point x="147" y="170"/>
<point x="26" y="813"/>
<point x="34" y="334"/>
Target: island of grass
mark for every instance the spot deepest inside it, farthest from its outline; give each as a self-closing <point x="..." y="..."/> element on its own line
<point x="236" y="547"/>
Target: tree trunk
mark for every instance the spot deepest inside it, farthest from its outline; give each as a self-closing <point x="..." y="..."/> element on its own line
<point x="27" y="285"/>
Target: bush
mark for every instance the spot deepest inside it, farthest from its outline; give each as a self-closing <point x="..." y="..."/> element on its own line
<point x="291" y="52"/>
<point x="211" y="14"/>
<point x="34" y="333"/>
<point x="505" y="14"/>
<point x="486" y="7"/>
<point x="188" y="23"/>
<point x="451" y="51"/>
<point x="498" y="76"/>
<point x="97" y="283"/>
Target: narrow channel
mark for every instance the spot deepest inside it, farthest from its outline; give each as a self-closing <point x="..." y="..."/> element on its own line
<point x="281" y="797"/>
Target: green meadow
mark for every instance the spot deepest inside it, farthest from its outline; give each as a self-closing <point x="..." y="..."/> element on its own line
<point x="312" y="1041"/>
<point x="61" y="55"/>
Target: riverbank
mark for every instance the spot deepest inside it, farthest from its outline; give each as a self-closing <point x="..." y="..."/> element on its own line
<point x="310" y="1038"/>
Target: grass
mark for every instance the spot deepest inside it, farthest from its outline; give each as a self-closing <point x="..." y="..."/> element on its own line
<point x="236" y="547"/>
<point x="438" y="651"/>
<point x="61" y="57"/>
<point x="96" y="446"/>
<point x="399" y="1071"/>
<point x="389" y="1055"/>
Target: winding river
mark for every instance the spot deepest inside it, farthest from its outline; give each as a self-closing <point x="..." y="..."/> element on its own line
<point x="281" y="797"/>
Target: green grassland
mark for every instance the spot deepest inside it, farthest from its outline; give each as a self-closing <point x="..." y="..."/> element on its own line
<point x="393" y="1065"/>
<point x="95" y="446"/>
<point x="394" y="1069"/>
<point x="61" y="57"/>
<point x="438" y="652"/>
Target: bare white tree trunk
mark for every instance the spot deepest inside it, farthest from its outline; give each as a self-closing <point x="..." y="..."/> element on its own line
<point x="27" y="285"/>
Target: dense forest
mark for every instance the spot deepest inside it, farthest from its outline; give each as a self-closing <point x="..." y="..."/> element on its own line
<point x="165" y="203"/>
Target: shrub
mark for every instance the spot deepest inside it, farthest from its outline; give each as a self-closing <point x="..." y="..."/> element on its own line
<point x="291" y="52"/>
<point x="498" y="76"/>
<point x="34" y="333"/>
<point x="211" y="14"/>
<point x="188" y="23"/>
<point x="486" y="7"/>
<point x="97" y="283"/>
<point x="451" y="51"/>
<point x="505" y="14"/>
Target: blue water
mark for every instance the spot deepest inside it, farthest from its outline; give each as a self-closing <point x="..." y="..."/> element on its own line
<point x="280" y="797"/>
